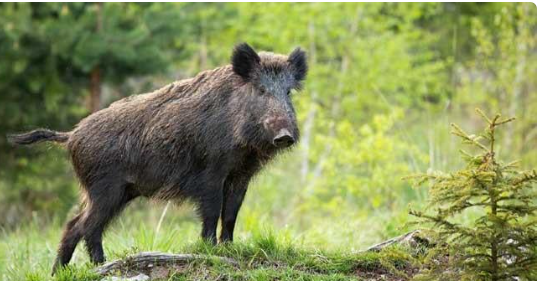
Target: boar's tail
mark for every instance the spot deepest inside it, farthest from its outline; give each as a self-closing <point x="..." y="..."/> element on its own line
<point x="37" y="136"/>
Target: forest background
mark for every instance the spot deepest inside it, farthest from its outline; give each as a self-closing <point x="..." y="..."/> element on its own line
<point x="385" y="82"/>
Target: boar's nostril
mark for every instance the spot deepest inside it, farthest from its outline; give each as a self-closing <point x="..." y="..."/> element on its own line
<point x="283" y="139"/>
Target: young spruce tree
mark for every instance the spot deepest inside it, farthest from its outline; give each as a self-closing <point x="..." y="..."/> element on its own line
<point x="484" y="215"/>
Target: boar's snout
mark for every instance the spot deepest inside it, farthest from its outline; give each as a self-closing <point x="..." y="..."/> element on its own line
<point x="281" y="132"/>
<point x="283" y="139"/>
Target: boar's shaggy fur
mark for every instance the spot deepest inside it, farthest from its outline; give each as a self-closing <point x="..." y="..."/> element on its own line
<point x="201" y="139"/>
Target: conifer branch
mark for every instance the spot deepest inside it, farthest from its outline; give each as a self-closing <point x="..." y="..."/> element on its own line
<point x="500" y="243"/>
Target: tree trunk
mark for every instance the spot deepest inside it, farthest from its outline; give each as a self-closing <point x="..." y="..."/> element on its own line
<point x="95" y="90"/>
<point x="336" y="101"/>
<point x="310" y="119"/>
<point x="94" y="104"/>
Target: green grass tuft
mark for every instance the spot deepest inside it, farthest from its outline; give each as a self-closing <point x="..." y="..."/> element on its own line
<point x="263" y="255"/>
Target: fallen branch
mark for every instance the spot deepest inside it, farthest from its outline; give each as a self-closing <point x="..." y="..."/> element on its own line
<point x="148" y="260"/>
<point x="410" y="239"/>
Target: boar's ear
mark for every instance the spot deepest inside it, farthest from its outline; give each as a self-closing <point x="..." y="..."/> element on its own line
<point x="244" y="60"/>
<point x="297" y="60"/>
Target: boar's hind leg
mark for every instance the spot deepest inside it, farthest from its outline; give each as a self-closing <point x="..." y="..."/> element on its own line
<point x="104" y="201"/>
<point x="71" y="237"/>
<point x="106" y="206"/>
<point x="233" y="193"/>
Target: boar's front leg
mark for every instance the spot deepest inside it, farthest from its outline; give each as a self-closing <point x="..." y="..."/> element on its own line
<point x="234" y="191"/>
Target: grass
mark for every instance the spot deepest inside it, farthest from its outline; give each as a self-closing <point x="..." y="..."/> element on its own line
<point x="27" y="253"/>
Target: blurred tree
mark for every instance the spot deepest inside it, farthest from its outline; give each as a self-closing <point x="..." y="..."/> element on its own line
<point x="500" y="75"/>
<point x="52" y="55"/>
<point x="384" y="80"/>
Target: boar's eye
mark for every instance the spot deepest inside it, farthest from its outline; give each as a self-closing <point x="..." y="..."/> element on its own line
<point x="288" y="92"/>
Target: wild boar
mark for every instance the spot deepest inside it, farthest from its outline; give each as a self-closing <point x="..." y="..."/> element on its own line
<point x="200" y="139"/>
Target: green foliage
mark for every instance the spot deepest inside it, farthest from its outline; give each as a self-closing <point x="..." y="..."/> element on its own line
<point x="501" y="76"/>
<point x="384" y="80"/>
<point x="352" y="175"/>
<point x="48" y="53"/>
<point x="500" y="241"/>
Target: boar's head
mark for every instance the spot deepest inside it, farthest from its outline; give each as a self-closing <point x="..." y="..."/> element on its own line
<point x="268" y="80"/>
